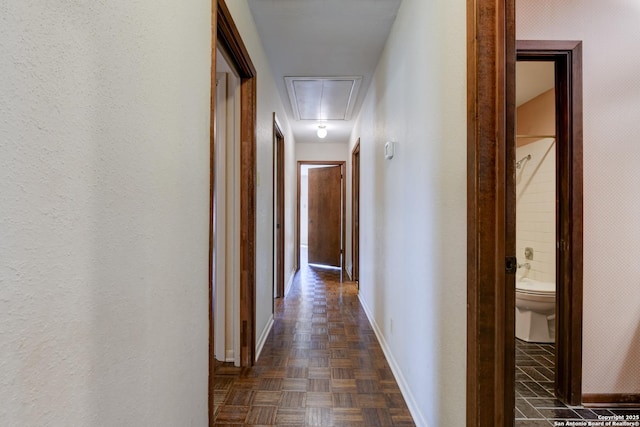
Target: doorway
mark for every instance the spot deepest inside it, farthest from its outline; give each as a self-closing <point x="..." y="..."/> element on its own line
<point x="566" y="58"/>
<point x="549" y="136"/>
<point x="226" y="209"/>
<point x="491" y="228"/>
<point x="321" y="212"/>
<point x="355" y="214"/>
<point x="278" y="200"/>
<point x="226" y="35"/>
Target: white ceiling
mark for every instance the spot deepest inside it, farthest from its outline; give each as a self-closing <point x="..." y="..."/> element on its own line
<point x="533" y="79"/>
<point x="323" y="38"/>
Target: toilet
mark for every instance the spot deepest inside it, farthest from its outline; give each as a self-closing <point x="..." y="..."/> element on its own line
<point x="535" y="310"/>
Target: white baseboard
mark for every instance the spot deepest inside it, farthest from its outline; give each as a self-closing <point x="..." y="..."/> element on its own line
<point x="292" y="275"/>
<point x="418" y="418"/>
<point x="263" y="337"/>
<point x="230" y="356"/>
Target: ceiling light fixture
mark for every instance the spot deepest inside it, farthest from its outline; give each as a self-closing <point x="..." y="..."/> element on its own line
<point x="322" y="131"/>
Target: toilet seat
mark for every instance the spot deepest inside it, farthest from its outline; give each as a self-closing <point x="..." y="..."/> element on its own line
<point x="531" y="287"/>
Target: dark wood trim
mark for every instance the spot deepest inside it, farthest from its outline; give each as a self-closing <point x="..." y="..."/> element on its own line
<point x="616" y="400"/>
<point x="298" y="172"/>
<point x="278" y="187"/>
<point x="247" y="221"/>
<point x="343" y="243"/>
<point x="490" y="120"/>
<point x="355" y="212"/>
<point x="212" y="290"/>
<point x="342" y="165"/>
<point x="229" y="38"/>
<point x="567" y="57"/>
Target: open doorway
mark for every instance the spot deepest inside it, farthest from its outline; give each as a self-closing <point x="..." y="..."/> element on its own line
<point x="548" y="203"/>
<point x="355" y="214"/>
<point x="321" y="213"/>
<point x="492" y="263"/>
<point x="226" y="208"/>
<point x="226" y="36"/>
<point x="278" y="203"/>
<point x="535" y="284"/>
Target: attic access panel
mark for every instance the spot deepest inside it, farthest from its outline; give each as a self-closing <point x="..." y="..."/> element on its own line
<point x="323" y="98"/>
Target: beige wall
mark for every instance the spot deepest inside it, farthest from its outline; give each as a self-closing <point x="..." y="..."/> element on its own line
<point x="536" y="117"/>
<point x="104" y="212"/>
<point x="413" y="222"/>
<point x="322" y="151"/>
<point x="611" y="36"/>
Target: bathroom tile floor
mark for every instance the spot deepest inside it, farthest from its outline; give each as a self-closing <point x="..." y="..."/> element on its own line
<point x="535" y="401"/>
<point x="321" y="365"/>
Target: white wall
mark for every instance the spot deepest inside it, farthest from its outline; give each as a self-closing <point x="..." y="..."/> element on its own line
<point x="536" y="209"/>
<point x="322" y="151"/>
<point x="268" y="102"/>
<point x="104" y="177"/>
<point x="610" y="33"/>
<point x="413" y="222"/>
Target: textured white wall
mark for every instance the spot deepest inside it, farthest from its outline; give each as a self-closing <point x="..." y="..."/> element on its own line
<point x="610" y="32"/>
<point x="104" y="183"/>
<point x="268" y="102"/>
<point x="322" y="151"/>
<point x="536" y="209"/>
<point x="413" y="223"/>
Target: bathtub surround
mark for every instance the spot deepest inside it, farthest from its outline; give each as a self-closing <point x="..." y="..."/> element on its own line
<point x="536" y="209"/>
<point x="536" y="187"/>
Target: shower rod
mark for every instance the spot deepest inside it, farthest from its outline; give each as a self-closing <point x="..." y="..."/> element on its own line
<point x="519" y="162"/>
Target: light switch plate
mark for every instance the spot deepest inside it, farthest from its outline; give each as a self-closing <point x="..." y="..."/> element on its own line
<point x="389" y="150"/>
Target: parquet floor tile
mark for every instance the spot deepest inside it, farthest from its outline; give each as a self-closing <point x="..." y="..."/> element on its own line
<point x="322" y="365"/>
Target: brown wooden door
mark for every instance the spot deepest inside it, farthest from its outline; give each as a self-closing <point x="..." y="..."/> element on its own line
<point x="324" y="215"/>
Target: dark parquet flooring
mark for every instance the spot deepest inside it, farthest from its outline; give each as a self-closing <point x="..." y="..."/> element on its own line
<point x="322" y="365"/>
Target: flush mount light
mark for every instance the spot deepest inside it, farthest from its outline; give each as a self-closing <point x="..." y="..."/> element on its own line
<point x="322" y="131"/>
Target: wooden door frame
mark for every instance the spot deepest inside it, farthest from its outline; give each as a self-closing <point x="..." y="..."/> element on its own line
<point x="490" y="110"/>
<point x="491" y="55"/>
<point x="567" y="58"/>
<point x="226" y="33"/>
<point x="278" y="191"/>
<point x="343" y="198"/>
<point x="355" y="218"/>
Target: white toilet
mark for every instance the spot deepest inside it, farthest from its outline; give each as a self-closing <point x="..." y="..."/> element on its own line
<point x="535" y="310"/>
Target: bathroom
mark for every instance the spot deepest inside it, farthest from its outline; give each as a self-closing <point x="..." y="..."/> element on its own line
<point x="535" y="174"/>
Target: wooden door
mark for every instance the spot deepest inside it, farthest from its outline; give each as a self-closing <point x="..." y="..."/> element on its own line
<point x="324" y="215"/>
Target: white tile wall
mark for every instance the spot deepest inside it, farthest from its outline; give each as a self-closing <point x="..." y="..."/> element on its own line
<point x="535" y="209"/>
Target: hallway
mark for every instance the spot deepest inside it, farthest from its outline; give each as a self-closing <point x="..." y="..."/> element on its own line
<point x="321" y="365"/>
